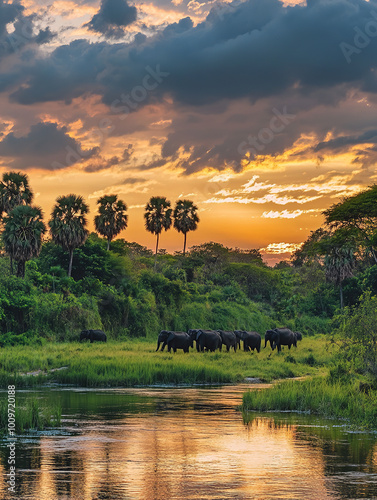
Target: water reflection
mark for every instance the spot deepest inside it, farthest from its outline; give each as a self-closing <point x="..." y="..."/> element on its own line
<point x="193" y="443"/>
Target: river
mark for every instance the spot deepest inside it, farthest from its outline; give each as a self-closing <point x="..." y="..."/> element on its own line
<point x="186" y="444"/>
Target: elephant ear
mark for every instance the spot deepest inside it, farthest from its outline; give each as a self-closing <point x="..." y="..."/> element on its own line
<point x="199" y="334"/>
<point x="171" y="337"/>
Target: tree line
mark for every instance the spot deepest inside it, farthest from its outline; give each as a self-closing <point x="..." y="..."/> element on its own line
<point x="24" y="228"/>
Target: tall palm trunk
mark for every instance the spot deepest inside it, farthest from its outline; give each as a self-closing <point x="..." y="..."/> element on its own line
<point x="21" y="269"/>
<point x="70" y="263"/>
<point x="341" y="296"/>
<point x="155" y="256"/>
<point x="108" y="244"/>
<point x="184" y="245"/>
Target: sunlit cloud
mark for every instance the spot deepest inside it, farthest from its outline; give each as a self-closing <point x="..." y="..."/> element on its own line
<point x="281" y="248"/>
<point x="286" y="214"/>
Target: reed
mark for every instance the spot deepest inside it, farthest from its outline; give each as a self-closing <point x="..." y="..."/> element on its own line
<point x="30" y="415"/>
<point x="341" y="400"/>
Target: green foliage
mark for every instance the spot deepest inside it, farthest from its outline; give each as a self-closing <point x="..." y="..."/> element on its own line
<point x="357" y="333"/>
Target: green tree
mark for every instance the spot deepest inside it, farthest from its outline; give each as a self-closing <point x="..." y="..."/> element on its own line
<point x="14" y="191"/>
<point x="112" y="218"/>
<point x="358" y="335"/>
<point x="23" y="232"/>
<point x="157" y="217"/>
<point x="185" y="218"/>
<point x="358" y="216"/>
<point x="68" y="224"/>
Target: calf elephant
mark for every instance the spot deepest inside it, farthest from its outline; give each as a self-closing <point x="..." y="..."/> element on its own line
<point x="93" y="335"/>
<point x="228" y="339"/>
<point x="282" y="336"/>
<point x="251" y="340"/>
<point x="206" y="339"/>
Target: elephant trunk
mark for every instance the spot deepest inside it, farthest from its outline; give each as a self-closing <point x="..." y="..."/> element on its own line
<point x="265" y="343"/>
<point x="158" y="345"/>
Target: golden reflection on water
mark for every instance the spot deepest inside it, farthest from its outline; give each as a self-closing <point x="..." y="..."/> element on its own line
<point x="202" y="451"/>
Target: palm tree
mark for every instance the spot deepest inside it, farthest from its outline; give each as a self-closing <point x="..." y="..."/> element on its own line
<point x="14" y="191"/>
<point x="67" y="224"/>
<point x="339" y="265"/>
<point x="157" y="217"/>
<point x="185" y="218"/>
<point x="22" y="236"/>
<point x="112" y="218"/>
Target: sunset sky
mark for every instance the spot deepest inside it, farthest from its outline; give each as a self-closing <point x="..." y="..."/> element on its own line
<point x="262" y="112"/>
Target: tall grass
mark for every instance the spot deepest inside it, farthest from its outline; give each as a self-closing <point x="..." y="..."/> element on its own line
<point x="319" y="395"/>
<point x="31" y="415"/>
<point x="129" y="363"/>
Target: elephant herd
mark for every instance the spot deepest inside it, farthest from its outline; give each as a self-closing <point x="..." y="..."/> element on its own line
<point x="210" y="340"/>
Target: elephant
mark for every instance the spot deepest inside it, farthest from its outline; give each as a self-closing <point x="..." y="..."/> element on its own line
<point x="251" y="340"/>
<point x="206" y="339"/>
<point x="93" y="335"/>
<point x="228" y="339"/>
<point x="174" y="340"/>
<point x="268" y="338"/>
<point x="282" y="336"/>
<point x="162" y="338"/>
<point x="298" y="337"/>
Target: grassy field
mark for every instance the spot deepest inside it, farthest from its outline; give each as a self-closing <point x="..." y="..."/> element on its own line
<point x="136" y="363"/>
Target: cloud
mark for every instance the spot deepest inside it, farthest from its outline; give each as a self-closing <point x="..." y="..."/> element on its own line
<point x="112" y="17"/>
<point x="280" y="248"/>
<point x="370" y="136"/>
<point x="260" y="54"/>
<point x="283" y="194"/>
<point x="286" y="214"/>
<point x="98" y="163"/>
<point x="46" y="146"/>
<point x="226" y="57"/>
<point x="18" y="30"/>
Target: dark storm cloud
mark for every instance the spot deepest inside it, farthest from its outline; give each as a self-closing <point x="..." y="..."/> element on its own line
<point x="23" y="33"/>
<point x="99" y="163"/>
<point x="112" y="17"/>
<point x="258" y="49"/>
<point x="46" y="146"/>
<point x="342" y="142"/>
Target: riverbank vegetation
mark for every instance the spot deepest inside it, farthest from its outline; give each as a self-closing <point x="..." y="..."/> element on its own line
<point x="343" y="398"/>
<point x="130" y="363"/>
<point x="30" y="414"/>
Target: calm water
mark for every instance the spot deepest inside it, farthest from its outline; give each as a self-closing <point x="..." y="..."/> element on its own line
<point x="186" y="443"/>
